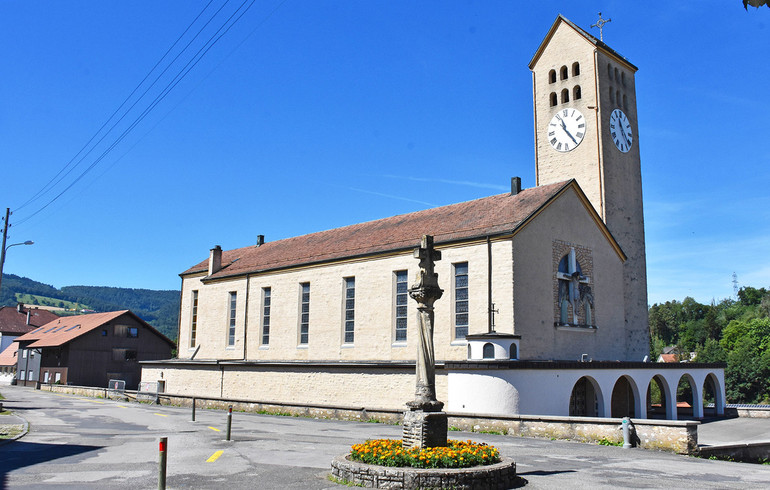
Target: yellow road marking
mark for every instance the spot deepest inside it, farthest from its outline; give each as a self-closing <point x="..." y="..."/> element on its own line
<point x="214" y="456"/>
<point x="93" y="401"/>
<point x="160" y="415"/>
<point x="214" y="428"/>
<point x="121" y="406"/>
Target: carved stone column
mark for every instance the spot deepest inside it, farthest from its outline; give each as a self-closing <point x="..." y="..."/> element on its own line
<point x="425" y="425"/>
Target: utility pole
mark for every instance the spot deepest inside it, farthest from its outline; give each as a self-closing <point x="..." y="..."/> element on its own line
<point x="2" y="250"/>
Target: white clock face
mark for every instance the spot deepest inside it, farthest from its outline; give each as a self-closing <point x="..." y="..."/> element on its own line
<point x="620" y="130"/>
<point x="566" y="130"/>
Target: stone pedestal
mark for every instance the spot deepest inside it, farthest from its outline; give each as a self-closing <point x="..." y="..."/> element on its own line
<point x="424" y="429"/>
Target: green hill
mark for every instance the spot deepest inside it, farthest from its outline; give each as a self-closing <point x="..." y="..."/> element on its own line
<point x="159" y="308"/>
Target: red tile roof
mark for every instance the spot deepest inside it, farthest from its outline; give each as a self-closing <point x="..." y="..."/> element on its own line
<point x="14" y="322"/>
<point x="668" y="358"/>
<point x="489" y="216"/>
<point x="65" y="329"/>
<point x="8" y="356"/>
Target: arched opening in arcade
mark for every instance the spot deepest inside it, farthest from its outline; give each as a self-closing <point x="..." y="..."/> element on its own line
<point x="586" y="399"/>
<point x="623" y="402"/>
<point x="712" y="396"/>
<point x="656" y="398"/>
<point x="685" y="397"/>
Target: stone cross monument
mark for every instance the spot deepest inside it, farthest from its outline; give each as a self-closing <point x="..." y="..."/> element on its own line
<point x="425" y="425"/>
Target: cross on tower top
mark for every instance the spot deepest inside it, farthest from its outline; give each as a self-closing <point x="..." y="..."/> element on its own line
<point x="600" y="23"/>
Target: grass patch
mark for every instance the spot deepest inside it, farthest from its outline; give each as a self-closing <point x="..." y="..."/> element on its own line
<point x="340" y="481"/>
<point x="10" y="431"/>
<point x="606" y="442"/>
<point x="452" y="428"/>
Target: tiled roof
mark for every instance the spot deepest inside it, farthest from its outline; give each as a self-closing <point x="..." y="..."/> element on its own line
<point x="14" y="322"/>
<point x="8" y="356"/>
<point x="65" y="329"/>
<point x="479" y="218"/>
<point x="668" y="358"/>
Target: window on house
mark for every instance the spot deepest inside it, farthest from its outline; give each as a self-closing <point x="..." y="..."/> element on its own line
<point x="552" y="76"/>
<point x="231" y="321"/>
<point x="21" y="374"/>
<point x="576" y="94"/>
<point x="564" y="96"/>
<point x="24" y="353"/>
<point x="564" y="73"/>
<point x="554" y="99"/>
<point x="461" y="300"/>
<point x="45" y="377"/>
<point x="617" y="77"/>
<point x="30" y="375"/>
<point x="265" y="316"/>
<point x="625" y="102"/>
<point x="123" y="354"/>
<point x="57" y="378"/>
<point x="402" y="296"/>
<point x="617" y="97"/>
<point x="514" y="352"/>
<point x="120" y="330"/>
<point x="104" y="332"/>
<point x="304" y="319"/>
<point x="350" y="309"/>
<point x="489" y="351"/>
<point x="575" y="69"/>
<point x="609" y="70"/>
<point x="623" y="78"/>
<point x="194" y="321"/>
<point x="133" y="332"/>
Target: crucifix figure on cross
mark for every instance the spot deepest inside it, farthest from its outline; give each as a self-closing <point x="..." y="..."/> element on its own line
<point x="574" y="290"/>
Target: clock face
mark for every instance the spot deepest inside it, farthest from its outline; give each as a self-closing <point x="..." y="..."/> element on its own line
<point x="566" y="130"/>
<point x="620" y="130"/>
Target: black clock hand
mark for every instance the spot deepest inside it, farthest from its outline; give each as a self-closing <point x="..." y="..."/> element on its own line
<point x="564" y="127"/>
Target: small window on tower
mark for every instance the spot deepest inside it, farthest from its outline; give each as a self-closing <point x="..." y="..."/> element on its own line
<point x="576" y="92"/>
<point x="609" y="70"/>
<point x="575" y="69"/>
<point x="565" y="96"/>
<point x="617" y="76"/>
<point x="554" y="100"/>
<point x="612" y="96"/>
<point x="623" y="78"/>
<point x="564" y="73"/>
<point x="625" y="102"/>
<point x="617" y="97"/>
<point x="552" y="76"/>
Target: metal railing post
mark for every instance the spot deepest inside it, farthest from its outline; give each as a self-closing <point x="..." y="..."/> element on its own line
<point x="193" y="409"/>
<point x="229" y="421"/>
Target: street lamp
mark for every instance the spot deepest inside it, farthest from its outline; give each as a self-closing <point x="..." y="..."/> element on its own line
<point x="4" y="251"/>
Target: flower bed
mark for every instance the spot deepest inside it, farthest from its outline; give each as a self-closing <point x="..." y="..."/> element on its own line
<point x="457" y="454"/>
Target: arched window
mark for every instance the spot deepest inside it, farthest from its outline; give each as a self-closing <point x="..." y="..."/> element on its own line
<point x="612" y="96"/>
<point x="552" y="76"/>
<point x="554" y="101"/>
<point x="623" y="78"/>
<point x="489" y="351"/>
<point x="617" y="97"/>
<point x="514" y="354"/>
<point x="564" y="96"/>
<point x="625" y="102"/>
<point x="564" y="73"/>
<point x="576" y="92"/>
<point x="575" y="69"/>
<point x="609" y="71"/>
<point x="469" y="352"/>
<point x="617" y="77"/>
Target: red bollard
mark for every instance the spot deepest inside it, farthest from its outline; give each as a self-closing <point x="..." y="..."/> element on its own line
<point x="229" y="421"/>
<point x="162" y="449"/>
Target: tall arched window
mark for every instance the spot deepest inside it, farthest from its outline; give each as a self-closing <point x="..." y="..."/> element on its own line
<point x="612" y="96"/>
<point x="554" y="100"/>
<point x="625" y="102"/>
<point x="576" y="94"/>
<point x="514" y="352"/>
<point x="609" y="71"/>
<point x="575" y="69"/>
<point x="617" y="77"/>
<point x="623" y="78"/>
<point x="564" y="73"/>
<point x="617" y="97"/>
<point x="469" y="352"/>
<point x="489" y="351"/>
<point x="552" y="76"/>
<point x="564" y="96"/>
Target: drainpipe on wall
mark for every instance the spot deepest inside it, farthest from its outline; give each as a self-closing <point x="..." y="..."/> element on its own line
<point x="489" y="285"/>
<point x="246" y="319"/>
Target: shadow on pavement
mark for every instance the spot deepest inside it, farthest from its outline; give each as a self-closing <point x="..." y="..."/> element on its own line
<point x="19" y="454"/>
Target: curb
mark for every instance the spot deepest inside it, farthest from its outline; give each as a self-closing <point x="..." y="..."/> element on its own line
<point x="23" y="432"/>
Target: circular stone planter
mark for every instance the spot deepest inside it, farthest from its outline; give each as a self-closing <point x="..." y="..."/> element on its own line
<point x="500" y="475"/>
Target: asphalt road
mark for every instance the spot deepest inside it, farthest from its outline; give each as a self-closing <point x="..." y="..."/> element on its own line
<point x="77" y="442"/>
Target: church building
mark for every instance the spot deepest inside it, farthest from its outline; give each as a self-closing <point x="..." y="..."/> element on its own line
<point x="544" y="309"/>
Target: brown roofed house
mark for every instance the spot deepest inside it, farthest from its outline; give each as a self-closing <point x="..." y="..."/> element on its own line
<point x="89" y="350"/>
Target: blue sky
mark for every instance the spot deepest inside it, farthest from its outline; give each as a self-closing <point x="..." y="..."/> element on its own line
<point x="308" y="115"/>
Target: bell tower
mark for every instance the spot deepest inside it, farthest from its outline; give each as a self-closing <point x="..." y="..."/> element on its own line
<point x="586" y="128"/>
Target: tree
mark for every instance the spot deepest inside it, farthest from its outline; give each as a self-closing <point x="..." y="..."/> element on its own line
<point x="755" y="3"/>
